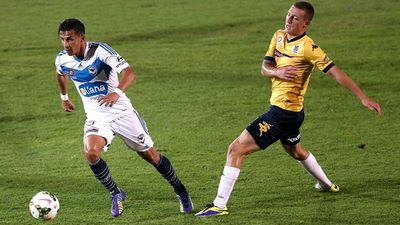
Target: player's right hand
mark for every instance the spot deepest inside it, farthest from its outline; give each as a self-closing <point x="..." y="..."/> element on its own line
<point x="68" y="106"/>
<point x="286" y="73"/>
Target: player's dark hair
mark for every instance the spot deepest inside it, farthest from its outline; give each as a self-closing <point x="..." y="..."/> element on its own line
<point x="306" y="7"/>
<point x="72" y="24"/>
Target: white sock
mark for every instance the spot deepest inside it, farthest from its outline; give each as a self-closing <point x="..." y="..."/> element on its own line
<point x="228" y="179"/>
<point x="314" y="169"/>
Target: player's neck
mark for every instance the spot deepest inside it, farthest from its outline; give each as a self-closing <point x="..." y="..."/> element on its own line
<point x="82" y="51"/>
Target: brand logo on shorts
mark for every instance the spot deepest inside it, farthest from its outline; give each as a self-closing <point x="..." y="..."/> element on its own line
<point x="92" y="130"/>
<point x="294" y="139"/>
<point x="264" y="127"/>
<point x="89" y="122"/>
<point x="92" y="89"/>
<point x="141" y="138"/>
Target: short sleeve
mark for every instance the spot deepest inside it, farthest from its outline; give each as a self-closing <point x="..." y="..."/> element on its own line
<point x="316" y="56"/>
<point x="270" y="54"/>
<point x="58" y="67"/>
<point x="112" y="58"/>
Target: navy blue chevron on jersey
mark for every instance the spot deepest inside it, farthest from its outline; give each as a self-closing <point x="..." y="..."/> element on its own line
<point x="95" y="75"/>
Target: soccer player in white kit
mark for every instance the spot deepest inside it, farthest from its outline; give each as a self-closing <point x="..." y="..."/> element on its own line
<point x="94" y="67"/>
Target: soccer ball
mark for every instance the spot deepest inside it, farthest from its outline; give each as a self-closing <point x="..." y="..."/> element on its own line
<point x="44" y="205"/>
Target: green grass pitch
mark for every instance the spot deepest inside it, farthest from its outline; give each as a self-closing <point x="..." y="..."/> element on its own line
<point x="198" y="86"/>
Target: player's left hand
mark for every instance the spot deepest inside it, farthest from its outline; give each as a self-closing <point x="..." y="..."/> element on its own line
<point x="109" y="99"/>
<point x="372" y="105"/>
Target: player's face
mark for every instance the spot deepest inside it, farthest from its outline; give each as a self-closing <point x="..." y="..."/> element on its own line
<point x="296" y="23"/>
<point x="73" y="43"/>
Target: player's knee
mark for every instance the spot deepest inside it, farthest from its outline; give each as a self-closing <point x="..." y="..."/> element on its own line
<point x="296" y="156"/>
<point x="302" y="155"/>
<point x="235" y="150"/>
<point x="92" y="155"/>
<point x="297" y="152"/>
<point x="152" y="156"/>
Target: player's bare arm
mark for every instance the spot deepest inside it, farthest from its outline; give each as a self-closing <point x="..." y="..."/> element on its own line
<point x="343" y="79"/>
<point x="127" y="78"/>
<point x="269" y="69"/>
<point x="67" y="104"/>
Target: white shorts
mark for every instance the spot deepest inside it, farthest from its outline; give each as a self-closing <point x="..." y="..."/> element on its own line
<point x="131" y="128"/>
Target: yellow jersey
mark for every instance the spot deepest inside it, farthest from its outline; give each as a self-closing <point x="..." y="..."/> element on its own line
<point x="303" y="54"/>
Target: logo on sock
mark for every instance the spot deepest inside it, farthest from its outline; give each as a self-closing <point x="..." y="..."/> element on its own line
<point x="219" y="196"/>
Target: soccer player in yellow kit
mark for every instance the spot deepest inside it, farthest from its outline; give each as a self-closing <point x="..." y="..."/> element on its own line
<point x="289" y="61"/>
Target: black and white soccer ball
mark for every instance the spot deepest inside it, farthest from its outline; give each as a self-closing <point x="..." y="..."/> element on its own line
<point x="44" y="206"/>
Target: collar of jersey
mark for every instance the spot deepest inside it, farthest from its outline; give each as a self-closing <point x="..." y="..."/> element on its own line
<point x="296" y="38"/>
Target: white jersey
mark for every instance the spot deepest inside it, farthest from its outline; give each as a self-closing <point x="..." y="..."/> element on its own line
<point x="94" y="76"/>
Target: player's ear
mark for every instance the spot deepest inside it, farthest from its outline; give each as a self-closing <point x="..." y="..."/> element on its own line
<point x="308" y="22"/>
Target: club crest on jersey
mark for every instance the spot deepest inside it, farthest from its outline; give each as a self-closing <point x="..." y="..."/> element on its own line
<point x="296" y="49"/>
<point x="92" y="70"/>
<point x="279" y="40"/>
<point x="93" y="89"/>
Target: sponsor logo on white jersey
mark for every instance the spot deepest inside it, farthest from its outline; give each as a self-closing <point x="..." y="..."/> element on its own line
<point x="93" y="89"/>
